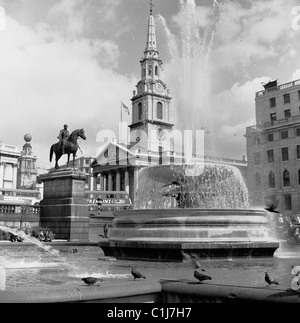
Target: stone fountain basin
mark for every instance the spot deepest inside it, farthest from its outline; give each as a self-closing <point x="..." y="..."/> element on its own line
<point x="158" y="233"/>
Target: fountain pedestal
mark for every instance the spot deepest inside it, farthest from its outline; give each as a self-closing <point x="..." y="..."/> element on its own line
<point x="64" y="209"/>
<point x="162" y="234"/>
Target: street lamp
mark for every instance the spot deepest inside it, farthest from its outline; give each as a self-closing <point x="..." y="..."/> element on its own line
<point x="99" y="203"/>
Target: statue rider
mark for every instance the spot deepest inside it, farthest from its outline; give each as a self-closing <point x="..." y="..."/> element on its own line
<point x="63" y="137"/>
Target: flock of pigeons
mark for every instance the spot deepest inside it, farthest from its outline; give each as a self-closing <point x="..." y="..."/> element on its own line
<point x="199" y="273"/>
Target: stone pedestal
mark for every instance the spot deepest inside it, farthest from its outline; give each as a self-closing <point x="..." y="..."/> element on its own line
<point x="64" y="208"/>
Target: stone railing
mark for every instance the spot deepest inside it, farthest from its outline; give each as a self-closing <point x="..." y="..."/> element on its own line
<point x="19" y="209"/>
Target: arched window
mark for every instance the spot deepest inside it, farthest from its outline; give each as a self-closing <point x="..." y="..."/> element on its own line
<point x="271" y="179"/>
<point x="286" y="178"/>
<point x="257" y="180"/>
<point x="156" y="70"/>
<point x="159" y="110"/>
<point x="140" y="110"/>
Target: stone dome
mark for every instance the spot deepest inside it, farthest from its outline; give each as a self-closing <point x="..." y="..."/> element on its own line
<point x="27" y="137"/>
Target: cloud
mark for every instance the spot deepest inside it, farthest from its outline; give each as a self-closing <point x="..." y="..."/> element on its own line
<point x="47" y="81"/>
<point x="254" y="30"/>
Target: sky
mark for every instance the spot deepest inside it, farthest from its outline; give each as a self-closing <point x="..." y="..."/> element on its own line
<point x="74" y="61"/>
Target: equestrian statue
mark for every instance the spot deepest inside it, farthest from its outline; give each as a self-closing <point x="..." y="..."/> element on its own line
<point x="67" y="145"/>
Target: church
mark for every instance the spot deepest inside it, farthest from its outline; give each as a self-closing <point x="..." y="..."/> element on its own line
<point x="152" y="140"/>
<point x="118" y="165"/>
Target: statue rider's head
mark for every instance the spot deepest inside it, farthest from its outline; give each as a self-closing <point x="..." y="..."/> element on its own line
<point x="66" y="126"/>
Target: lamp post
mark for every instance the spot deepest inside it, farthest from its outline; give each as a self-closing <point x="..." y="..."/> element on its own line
<point x="99" y="203"/>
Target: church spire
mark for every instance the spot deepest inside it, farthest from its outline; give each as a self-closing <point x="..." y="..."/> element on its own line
<point x="151" y="38"/>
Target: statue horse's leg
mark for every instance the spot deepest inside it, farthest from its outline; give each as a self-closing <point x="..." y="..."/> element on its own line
<point x="68" y="160"/>
<point x="74" y="155"/>
<point x="57" y="157"/>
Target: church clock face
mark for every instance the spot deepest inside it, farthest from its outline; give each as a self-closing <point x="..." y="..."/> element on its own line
<point x="161" y="134"/>
<point x="159" y="87"/>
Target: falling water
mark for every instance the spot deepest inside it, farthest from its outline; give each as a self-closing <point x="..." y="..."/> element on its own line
<point x="55" y="254"/>
<point x="189" y="68"/>
<point x="217" y="186"/>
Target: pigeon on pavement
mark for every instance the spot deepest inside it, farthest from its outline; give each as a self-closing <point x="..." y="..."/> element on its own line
<point x="136" y="274"/>
<point x="201" y="277"/>
<point x="91" y="280"/>
<point x="270" y="280"/>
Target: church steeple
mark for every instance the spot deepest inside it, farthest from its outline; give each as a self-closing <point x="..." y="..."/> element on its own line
<point x="151" y="37"/>
<point x="151" y="102"/>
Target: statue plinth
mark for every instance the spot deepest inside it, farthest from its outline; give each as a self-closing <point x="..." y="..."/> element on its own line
<point x="64" y="208"/>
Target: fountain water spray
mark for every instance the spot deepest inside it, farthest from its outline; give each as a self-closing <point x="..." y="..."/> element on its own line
<point x="190" y="51"/>
<point x="50" y="250"/>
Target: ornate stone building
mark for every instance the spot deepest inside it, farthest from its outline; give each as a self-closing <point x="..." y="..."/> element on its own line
<point x="27" y="166"/>
<point x="9" y="155"/>
<point x="273" y="147"/>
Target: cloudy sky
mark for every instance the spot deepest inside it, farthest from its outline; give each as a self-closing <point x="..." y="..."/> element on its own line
<point x="73" y="61"/>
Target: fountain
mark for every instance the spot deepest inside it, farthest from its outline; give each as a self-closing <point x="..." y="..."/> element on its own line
<point x="213" y="219"/>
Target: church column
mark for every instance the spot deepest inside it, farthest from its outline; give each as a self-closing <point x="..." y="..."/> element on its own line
<point x="91" y="179"/>
<point x="118" y="180"/>
<point x="110" y="183"/>
<point x="102" y="186"/>
<point x="127" y="181"/>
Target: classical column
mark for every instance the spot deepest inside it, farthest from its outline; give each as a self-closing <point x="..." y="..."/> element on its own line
<point x="118" y="181"/>
<point x="110" y="183"/>
<point x="95" y="182"/>
<point x="91" y="182"/>
<point x="15" y="175"/>
<point x="102" y="187"/>
<point x="127" y="181"/>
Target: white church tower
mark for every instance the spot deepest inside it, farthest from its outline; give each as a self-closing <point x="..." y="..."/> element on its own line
<point x="151" y="102"/>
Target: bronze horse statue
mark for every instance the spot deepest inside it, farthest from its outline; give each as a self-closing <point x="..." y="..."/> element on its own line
<point x="71" y="147"/>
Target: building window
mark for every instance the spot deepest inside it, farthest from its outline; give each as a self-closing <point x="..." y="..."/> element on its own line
<point x="272" y="102"/>
<point x="144" y="72"/>
<point x="159" y="110"/>
<point x="257" y="140"/>
<point x="270" y="156"/>
<point x="299" y="95"/>
<point x="273" y="116"/>
<point x="299" y="177"/>
<point x="257" y="158"/>
<point x="288" y="202"/>
<point x="286" y="98"/>
<point x="285" y="153"/>
<point x="286" y="178"/>
<point x="140" y="110"/>
<point x="287" y="113"/>
<point x="284" y="134"/>
<point x="257" y="180"/>
<point x="156" y="70"/>
<point x="298" y="132"/>
<point x="270" y="136"/>
<point x="298" y="151"/>
<point x="271" y="179"/>
<point x="149" y="69"/>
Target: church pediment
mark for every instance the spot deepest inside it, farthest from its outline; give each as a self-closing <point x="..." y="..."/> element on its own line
<point x="113" y="154"/>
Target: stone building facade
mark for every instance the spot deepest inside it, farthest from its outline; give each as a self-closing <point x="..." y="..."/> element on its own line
<point x="273" y="147"/>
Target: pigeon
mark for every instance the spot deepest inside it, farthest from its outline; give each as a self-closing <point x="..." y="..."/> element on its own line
<point x="194" y="259"/>
<point x="136" y="274"/>
<point x="91" y="280"/>
<point x="270" y="280"/>
<point x="271" y="207"/>
<point x="201" y="277"/>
